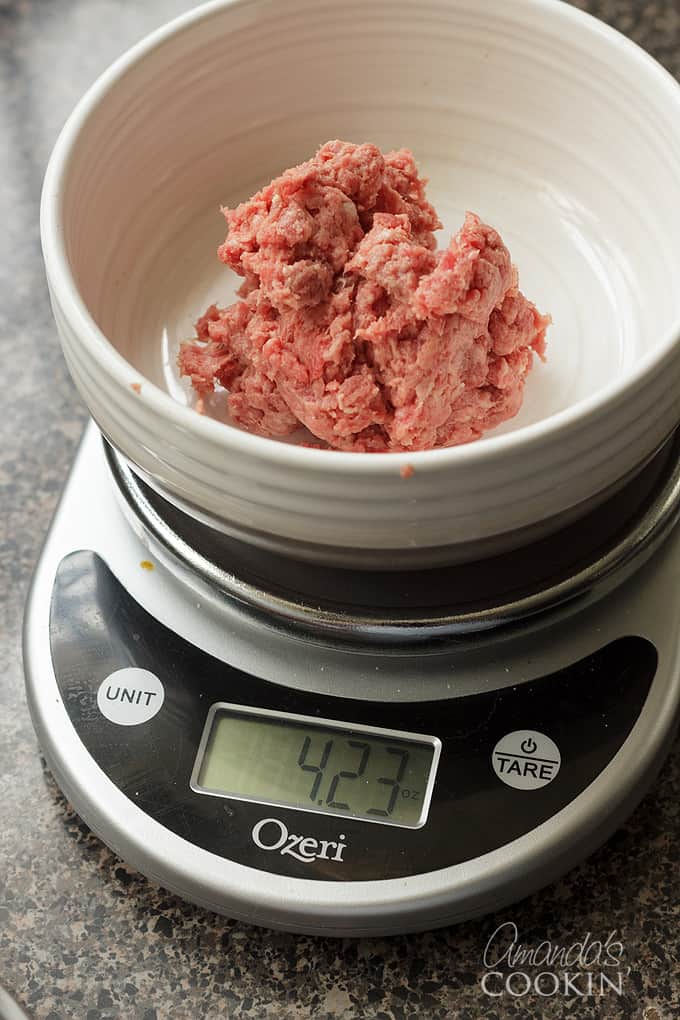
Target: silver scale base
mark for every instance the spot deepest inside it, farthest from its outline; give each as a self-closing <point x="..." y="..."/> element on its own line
<point x="361" y="662"/>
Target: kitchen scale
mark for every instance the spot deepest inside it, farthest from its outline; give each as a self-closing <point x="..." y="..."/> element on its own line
<point x="350" y="752"/>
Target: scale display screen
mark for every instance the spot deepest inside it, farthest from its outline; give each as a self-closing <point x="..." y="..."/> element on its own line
<point x="335" y="768"/>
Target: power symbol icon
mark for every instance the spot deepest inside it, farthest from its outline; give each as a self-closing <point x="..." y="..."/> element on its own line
<point x="529" y="746"/>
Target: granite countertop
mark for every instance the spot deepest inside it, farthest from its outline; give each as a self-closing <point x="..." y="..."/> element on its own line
<point x="81" y="934"/>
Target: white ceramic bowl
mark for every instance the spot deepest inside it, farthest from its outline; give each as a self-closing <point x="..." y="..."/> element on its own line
<point x="551" y="126"/>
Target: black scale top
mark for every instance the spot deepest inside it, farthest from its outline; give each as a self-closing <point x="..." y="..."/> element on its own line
<point x="96" y="628"/>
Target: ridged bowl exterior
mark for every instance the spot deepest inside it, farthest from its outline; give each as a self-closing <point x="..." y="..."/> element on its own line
<point x="484" y="492"/>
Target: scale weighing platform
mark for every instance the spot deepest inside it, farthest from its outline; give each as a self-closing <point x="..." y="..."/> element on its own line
<point x="349" y="753"/>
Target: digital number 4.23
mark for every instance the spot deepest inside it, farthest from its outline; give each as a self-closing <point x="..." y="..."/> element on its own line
<point x="362" y="751"/>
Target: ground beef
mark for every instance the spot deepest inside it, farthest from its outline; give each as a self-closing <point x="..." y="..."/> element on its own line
<point x="351" y="323"/>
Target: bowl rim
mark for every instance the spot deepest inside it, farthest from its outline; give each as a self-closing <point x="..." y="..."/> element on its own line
<point x="268" y="449"/>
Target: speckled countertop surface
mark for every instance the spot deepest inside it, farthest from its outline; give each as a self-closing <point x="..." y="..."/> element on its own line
<point x="81" y="934"/>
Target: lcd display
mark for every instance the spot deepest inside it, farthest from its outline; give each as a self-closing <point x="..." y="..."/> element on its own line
<point x="334" y="768"/>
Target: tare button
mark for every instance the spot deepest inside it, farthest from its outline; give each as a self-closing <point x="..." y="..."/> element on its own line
<point x="526" y="759"/>
<point x="130" y="696"/>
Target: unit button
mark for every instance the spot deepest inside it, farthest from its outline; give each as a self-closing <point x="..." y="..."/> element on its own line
<point x="130" y="696"/>
<point x="526" y="759"/>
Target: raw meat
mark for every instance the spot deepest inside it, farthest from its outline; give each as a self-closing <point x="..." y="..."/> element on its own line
<point x="351" y="323"/>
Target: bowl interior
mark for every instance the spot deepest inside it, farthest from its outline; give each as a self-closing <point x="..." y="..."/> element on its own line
<point x="523" y="113"/>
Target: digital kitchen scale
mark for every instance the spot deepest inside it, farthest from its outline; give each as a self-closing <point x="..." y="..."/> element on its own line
<point x="351" y="752"/>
